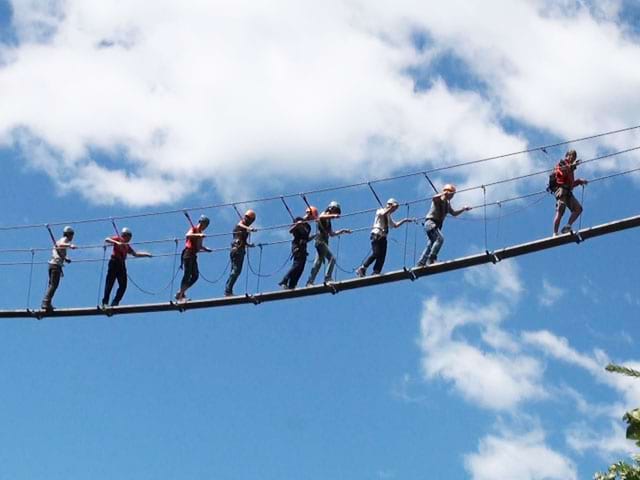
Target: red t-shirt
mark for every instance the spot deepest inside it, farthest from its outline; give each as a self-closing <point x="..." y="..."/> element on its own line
<point x="194" y="244"/>
<point x="120" y="251"/>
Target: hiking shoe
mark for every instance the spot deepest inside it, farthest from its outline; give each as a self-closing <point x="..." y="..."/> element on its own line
<point x="431" y="260"/>
<point x="361" y="271"/>
<point x="566" y="229"/>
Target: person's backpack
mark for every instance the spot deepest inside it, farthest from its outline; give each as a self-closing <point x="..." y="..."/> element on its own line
<point x="552" y="184"/>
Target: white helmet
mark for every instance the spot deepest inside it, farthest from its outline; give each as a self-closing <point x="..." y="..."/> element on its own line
<point x="126" y="232"/>
<point x="68" y="230"/>
<point x="333" y="205"/>
<point x="392" y="202"/>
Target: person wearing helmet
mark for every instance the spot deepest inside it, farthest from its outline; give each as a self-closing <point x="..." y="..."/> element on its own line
<point x="193" y="245"/>
<point x="117" y="269"/>
<point x="238" y="248"/>
<point x="440" y="207"/>
<point x="379" y="232"/>
<point x="565" y="181"/>
<point x="58" y="259"/>
<point x="324" y="231"/>
<point x="301" y="231"/>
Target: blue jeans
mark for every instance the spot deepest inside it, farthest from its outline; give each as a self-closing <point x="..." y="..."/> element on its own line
<point x="434" y="243"/>
<point x="322" y="253"/>
<point x="237" y="259"/>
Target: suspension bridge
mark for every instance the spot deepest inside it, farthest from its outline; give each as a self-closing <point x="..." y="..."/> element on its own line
<point x="331" y="288"/>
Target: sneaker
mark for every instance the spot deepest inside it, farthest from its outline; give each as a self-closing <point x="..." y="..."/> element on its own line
<point x="566" y="229"/>
<point x="227" y="293"/>
<point x="419" y="265"/>
<point x="309" y="284"/>
<point x="431" y="260"/>
<point x="47" y="306"/>
<point x="179" y="296"/>
<point x="328" y="279"/>
<point x="375" y="273"/>
<point x="361" y="271"/>
<point x="283" y="285"/>
<point x="115" y="304"/>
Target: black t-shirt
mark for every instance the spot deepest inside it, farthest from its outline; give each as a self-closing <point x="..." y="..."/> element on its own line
<point x="324" y="227"/>
<point x="240" y="237"/>
<point x="301" y="233"/>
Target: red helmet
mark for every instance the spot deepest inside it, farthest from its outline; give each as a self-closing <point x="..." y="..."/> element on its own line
<point x="312" y="212"/>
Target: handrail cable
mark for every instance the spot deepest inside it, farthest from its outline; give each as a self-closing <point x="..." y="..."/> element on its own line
<point x="322" y="190"/>
<point x="412" y="202"/>
<point x="348" y="214"/>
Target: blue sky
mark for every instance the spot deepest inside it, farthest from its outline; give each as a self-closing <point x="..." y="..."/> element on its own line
<point x="494" y="372"/>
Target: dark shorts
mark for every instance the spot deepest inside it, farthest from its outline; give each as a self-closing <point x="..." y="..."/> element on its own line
<point x="565" y="198"/>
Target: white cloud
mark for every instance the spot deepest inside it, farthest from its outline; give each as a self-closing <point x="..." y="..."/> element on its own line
<point x="497" y="380"/>
<point x="214" y="90"/>
<point x="607" y="444"/>
<point x="559" y="348"/>
<point x="550" y="294"/>
<point x="503" y="279"/>
<point x="522" y="457"/>
<point x="210" y="91"/>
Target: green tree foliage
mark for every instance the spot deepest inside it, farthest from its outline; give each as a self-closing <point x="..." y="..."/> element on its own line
<point x="622" y="470"/>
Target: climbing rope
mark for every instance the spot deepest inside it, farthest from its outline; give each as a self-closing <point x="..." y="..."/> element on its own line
<point x="156" y="292"/>
<point x="219" y="277"/>
<point x="271" y="274"/>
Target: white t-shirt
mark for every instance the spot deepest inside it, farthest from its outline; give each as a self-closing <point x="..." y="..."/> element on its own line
<point x="381" y="223"/>
<point x="58" y="255"/>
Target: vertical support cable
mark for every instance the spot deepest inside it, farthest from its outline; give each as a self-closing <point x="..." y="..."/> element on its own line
<point x="499" y="222"/>
<point x="406" y="237"/>
<point x="581" y="203"/>
<point x="415" y="243"/>
<point x="430" y="182"/>
<point x="246" y="274"/>
<point x="484" y="194"/>
<point x="259" y="270"/>
<point x="104" y="256"/>
<point x="375" y="194"/>
<point x="33" y="252"/>
<point x="174" y="272"/>
<point x="336" y="269"/>
<point x="287" y="207"/>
